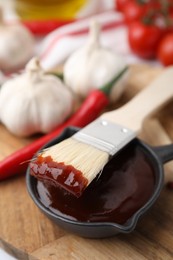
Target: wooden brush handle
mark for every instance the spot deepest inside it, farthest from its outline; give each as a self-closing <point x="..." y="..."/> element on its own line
<point x="145" y="103"/>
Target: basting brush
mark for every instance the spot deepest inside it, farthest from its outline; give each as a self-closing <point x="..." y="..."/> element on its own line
<point x="76" y="161"/>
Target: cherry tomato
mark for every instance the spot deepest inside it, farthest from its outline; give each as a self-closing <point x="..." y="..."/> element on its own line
<point x="165" y="50"/>
<point x="133" y="11"/>
<point x="144" y="39"/>
<point x="121" y="3"/>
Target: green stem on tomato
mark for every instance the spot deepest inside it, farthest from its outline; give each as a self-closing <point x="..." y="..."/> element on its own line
<point x="141" y="2"/>
<point x="162" y="10"/>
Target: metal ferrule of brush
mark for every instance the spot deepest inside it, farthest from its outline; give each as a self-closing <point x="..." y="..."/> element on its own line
<point x="105" y="135"/>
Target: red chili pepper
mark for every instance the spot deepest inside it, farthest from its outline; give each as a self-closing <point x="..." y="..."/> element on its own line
<point x="17" y="162"/>
<point x="97" y="100"/>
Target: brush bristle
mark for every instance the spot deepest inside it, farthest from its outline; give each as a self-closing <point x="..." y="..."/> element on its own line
<point x="83" y="157"/>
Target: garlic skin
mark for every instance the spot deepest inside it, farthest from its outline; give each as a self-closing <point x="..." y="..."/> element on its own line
<point x="92" y="66"/>
<point x="16" y="45"/>
<point x="34" y="102"/>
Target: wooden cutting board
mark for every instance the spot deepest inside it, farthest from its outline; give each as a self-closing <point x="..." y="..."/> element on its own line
<point x="27" y="234"/>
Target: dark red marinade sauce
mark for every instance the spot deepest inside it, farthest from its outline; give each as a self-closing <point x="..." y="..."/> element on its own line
<point x="125" y="185"/>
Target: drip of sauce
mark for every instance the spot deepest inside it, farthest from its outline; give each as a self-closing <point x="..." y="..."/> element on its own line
<point x="125" y="185"/>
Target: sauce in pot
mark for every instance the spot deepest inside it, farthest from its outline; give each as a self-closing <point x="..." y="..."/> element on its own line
<point x="124" y="186"/>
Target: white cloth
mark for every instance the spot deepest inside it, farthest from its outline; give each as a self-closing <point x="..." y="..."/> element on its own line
<point x="55" y="48"/>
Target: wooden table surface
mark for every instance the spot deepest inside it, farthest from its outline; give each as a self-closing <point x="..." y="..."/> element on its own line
<point x="27" y="234"/>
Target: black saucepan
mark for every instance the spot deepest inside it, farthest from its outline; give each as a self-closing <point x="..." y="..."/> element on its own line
<point x="96" y="227"/>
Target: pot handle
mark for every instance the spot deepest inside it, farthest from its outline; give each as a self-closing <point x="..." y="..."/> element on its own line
<point x="165" y="152"/>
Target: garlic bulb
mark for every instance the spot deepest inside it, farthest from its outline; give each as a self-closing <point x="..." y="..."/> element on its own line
<point x="16" y="45"/>
<point x="92" y="66"/>
<point x="34" y="101"/>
